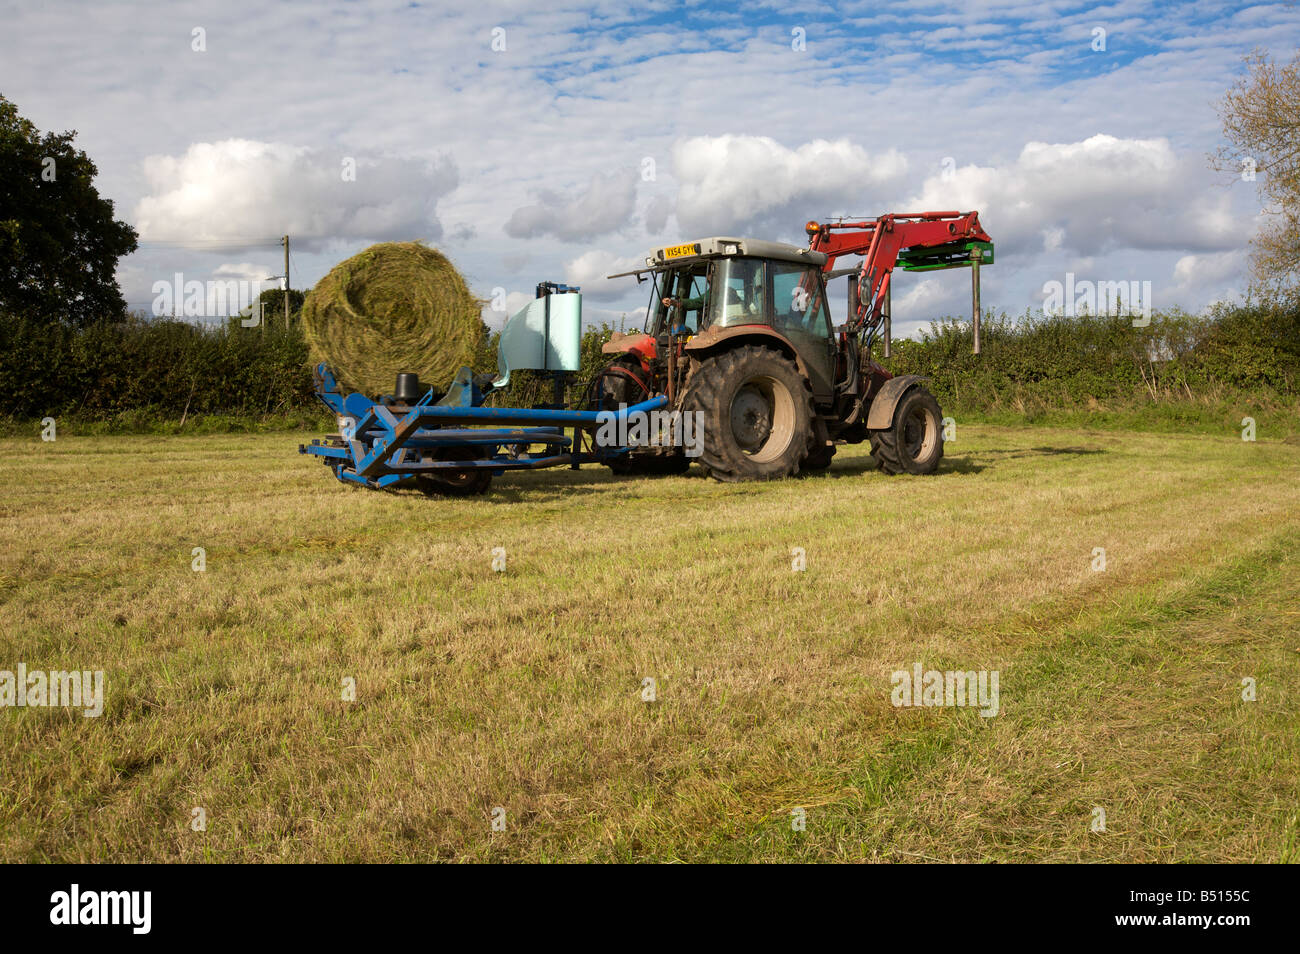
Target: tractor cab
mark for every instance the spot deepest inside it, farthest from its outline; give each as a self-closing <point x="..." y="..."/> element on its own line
<point x="719" y="284"/>
<point x="729" y="281"/>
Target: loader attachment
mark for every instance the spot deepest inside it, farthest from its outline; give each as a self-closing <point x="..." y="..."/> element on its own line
<point x="952" y="255"/>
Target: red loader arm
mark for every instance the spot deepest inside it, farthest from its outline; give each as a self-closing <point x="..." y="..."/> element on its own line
<point x="930" y="240"/>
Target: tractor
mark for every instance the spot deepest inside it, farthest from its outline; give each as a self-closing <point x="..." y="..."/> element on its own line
<point x="739" y="333"/>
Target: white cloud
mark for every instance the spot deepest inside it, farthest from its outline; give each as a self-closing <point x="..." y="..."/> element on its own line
<point x="926" y="294"/>
<point x="513" y="302"/>
<point x="606" y="206"/>
<point x="754" y="185"/>
<point x="1201" y="280"/>
<point x="656" y="214"/>
<point x="588" y="88"/>
<point x="1191" y="270"/>
<point x="1092" y="196"/>
<point x="240" y="189"/>
<point x="589" y="271"/>
<point x="245" y="272"/>
<point x="920" y="299"/>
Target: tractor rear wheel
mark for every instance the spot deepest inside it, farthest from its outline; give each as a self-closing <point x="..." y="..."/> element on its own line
<point x="913" y="444"/>
<point x="756" y="412"/>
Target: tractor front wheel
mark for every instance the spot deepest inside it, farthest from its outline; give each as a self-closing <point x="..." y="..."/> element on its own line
<point x="755" y="410"/>
<point x="913" y="444"/>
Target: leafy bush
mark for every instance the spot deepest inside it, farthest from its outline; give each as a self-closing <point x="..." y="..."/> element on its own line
<point x="1069" y="361"/>
<point x="165" y="367"/>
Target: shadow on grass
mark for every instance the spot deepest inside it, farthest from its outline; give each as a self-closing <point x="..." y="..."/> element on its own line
<point x="966" y="464"/>
<point x="867" y="465"/>
<point x="556" y="482"/>
<point x="1016" y="452"/>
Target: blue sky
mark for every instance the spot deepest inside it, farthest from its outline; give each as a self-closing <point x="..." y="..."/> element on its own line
<point x="530" y="162"/>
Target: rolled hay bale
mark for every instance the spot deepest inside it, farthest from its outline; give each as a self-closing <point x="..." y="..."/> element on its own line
<point x="397" y="306"/>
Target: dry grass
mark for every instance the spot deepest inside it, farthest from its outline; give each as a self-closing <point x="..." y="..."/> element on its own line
<point x="522" y="690"/>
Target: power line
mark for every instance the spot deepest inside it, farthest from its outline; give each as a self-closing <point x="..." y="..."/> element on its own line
<point x="211" y="244"/>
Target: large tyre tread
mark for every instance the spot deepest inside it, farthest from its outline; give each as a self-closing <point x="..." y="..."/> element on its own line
<point x="885" y="443"/>
<point x="711" y="378"/>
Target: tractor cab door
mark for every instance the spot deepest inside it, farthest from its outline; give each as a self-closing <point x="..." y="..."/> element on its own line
<point x="689" y="287"/>
<point x="797" y="295"/>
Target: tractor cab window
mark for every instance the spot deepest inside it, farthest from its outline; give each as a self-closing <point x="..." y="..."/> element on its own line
<point x="694" y="297"/>
<point x="687" y="291"/>
<point x="738" y="292"/>
<point x="799" y="300"/>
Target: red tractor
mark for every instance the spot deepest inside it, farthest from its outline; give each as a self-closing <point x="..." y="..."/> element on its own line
<point x="739" y="333"/>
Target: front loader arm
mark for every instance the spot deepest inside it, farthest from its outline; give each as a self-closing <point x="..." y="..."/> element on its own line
<point x="937" y="237"/>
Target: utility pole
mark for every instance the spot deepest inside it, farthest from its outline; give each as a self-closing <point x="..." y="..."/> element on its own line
<point x="286" y="283"/>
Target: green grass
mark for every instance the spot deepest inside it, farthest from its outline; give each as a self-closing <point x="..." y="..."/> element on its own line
<point x="146" y="421"/>
<point x="1119" y="689"/>
<point x="1276" y="417"/>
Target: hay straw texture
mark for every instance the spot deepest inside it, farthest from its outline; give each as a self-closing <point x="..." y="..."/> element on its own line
<point x="397" y="306"/>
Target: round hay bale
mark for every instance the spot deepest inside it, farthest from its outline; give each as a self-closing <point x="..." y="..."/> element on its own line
<point x="397" y="306"/>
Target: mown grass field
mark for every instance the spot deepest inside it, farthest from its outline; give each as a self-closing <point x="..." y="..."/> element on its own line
<point x="1120" y="689"/>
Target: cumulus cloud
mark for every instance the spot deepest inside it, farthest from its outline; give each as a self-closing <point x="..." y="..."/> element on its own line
<point x="605" y="206"/>
<point x="756" y="186"/>
<point x="515" y="302"/>
<point x="711" y="76"/>
<point x="462" y="232"/>
<point x="244" y="271"/>
<point x="1197" y="269"/>
<point x="656" y="214"/>
<point x="920" y="299"/>
<point x="589" y="271"/>
<point x="1093" y="196"/>
<point x="235" y="189"/>
<point x="1200" y="280"/>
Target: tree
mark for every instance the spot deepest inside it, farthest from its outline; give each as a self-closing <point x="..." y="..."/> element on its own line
<point x="1261" y="121"/>
<point x="59" y="242"/>
<point x="273" y="303"/>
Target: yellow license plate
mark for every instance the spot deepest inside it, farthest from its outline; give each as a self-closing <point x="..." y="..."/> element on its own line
<point x="680" y="251"/>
